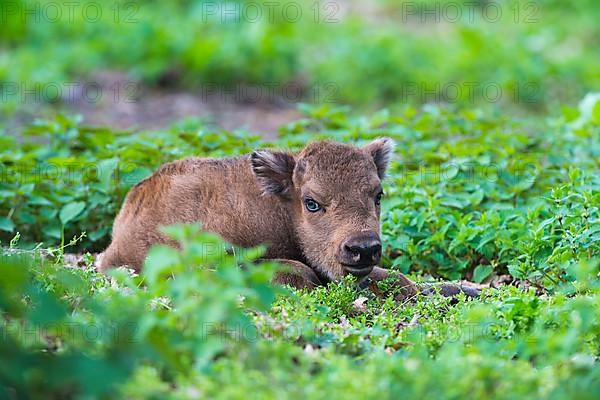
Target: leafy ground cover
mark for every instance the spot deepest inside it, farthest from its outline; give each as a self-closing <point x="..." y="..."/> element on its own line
<point x="495" y="181"/>
<point x="471" y="194"/>
<point x="493" y="53"/>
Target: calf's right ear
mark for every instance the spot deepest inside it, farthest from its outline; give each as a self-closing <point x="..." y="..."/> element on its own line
<point x="273" y="170"/>
<point x="381" y="150"/>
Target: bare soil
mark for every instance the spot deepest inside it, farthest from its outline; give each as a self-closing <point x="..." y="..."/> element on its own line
<point x="127" y="104"/>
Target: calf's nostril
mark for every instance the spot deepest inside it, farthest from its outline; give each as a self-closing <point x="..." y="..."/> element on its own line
<point x="352" y="249"/>
<point x="374" y="251"/>
<point x="354" y="252"/>
<point x="378" y="252"/>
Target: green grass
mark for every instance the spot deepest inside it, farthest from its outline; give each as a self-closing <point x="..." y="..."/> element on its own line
<point x="503" y="192"/>
<point x="193" y="335"/>
<point x="195" y="324"/>
<point x="469" y="193"/>
<point x="533" y="55"/>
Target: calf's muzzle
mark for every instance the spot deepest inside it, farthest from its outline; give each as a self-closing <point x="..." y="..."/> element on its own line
<point x="360" y="252"/>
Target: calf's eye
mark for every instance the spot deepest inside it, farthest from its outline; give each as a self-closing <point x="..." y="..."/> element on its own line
<point x="378" y="198"/>
<point x="311" y="205"/>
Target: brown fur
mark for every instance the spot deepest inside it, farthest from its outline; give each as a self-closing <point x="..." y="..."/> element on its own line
<point x="221" y="194"/>
<point x="261" y="199"/>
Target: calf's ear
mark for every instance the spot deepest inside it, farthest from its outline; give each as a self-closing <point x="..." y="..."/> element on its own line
<point x="273" y="170"/>
<point x="381" y="150"/>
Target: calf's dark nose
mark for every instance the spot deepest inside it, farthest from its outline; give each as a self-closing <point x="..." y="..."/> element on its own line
<point x="361" y="251"/>
<point x="365" y="252"/>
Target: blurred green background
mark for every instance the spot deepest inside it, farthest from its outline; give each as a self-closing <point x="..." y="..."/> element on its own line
<point x="525" y="57"/>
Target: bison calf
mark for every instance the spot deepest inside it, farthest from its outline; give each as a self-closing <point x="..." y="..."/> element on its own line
<point x="316" y="211"/>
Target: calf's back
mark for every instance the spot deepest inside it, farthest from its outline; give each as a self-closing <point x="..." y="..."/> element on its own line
<point x="223" y="195"/>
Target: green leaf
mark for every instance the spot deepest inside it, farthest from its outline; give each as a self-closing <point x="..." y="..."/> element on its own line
<point x="95" y="235"/>
<point x="52" y="231"/>
<point x="71" y="211"/>
<point x="570" y="114"/>
<point x="380" y="118"/>
<point x="161" y="261"/>
<point x="6" y="224"/>
<point x="481" y="272"/>
<point x="453" y="202"/>
<point x="39" y="201"/>
<point x="515" y="271"/>
<point x="476" y="197"/>
<point x="26" y="189"/>
<point x="106" y="170"/>
<point x="402" y="263"/>
<point x="7" y="194"/>
<point x="596" y="113"/>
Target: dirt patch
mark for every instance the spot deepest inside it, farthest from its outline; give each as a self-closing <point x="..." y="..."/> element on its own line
<point x="127" y="104"/>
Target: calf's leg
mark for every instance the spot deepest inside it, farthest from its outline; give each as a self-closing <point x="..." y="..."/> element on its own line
<point x="296" y="274"/>
<point x="405" y="289"/>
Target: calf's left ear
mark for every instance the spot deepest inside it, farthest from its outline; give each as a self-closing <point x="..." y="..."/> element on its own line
<point x="381" y="150"/>
<point x="273" y="170"/>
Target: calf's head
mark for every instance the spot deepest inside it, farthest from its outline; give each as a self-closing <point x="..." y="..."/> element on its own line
<point x="334" y="193"/>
